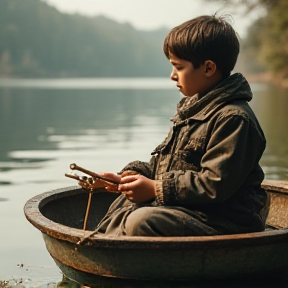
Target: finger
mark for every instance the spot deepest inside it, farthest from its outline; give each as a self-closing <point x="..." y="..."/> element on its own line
<point x="122" y="187"/>
<point x="111" y="188"/>
<point x="128" y="195"/>
<point x="129" y="179"/>
<point x="125" y="187"/>
<point x="129" y="172"/>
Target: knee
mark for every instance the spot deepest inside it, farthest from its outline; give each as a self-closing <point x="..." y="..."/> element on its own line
<point x="140" y="222"/>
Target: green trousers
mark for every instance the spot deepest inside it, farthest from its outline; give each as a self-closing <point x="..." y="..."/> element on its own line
<point x="130" y="219"/>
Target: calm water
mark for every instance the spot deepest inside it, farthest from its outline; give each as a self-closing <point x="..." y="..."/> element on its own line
<point x="100" y="124"/>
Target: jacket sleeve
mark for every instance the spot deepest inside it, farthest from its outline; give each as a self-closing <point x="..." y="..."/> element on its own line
<point x="233" y="151"/>
<point x="143" y="168"/>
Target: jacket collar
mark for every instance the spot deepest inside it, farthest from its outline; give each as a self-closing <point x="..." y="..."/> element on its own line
<point x="233" y="88"/>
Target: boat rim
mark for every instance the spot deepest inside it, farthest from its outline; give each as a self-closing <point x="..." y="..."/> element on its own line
<point x="74" y="235"/>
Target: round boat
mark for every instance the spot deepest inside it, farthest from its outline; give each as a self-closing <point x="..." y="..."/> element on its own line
<point x="84" y="257"/>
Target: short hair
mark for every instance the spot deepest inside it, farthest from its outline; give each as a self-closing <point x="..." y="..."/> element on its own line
<point x="204" y="38"/>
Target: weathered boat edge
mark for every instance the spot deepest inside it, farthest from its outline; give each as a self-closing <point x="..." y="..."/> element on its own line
<point x="73" y="235"/>
<point x="96" y="256"/>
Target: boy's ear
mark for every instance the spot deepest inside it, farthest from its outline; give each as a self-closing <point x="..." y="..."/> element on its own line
<point x="209" y="67"/>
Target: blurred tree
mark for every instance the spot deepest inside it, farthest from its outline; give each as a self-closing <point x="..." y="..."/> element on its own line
<point x="266" y="44"/>
<point x="273" y="31"/>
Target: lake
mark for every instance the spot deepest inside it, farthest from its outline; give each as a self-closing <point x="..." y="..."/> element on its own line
<point x="100" y="124"/>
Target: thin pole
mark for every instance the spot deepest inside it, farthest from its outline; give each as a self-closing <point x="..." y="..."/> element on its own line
<point x="87" y="209"/>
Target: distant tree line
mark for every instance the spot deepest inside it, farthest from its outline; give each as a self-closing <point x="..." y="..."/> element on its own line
<point x="36" y="40"/>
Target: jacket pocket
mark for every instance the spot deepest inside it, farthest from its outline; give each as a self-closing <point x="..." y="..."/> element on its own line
<point x="190" y="156"/>
<point x="185" y="160"/>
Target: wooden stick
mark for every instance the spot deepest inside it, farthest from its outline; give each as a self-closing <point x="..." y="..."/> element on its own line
<point x="93" y="174"/>
<point x="87" y="209"/>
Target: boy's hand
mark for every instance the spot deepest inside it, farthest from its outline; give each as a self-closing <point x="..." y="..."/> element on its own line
<point x="137" y="188"/>
<point x="113" y="176"/>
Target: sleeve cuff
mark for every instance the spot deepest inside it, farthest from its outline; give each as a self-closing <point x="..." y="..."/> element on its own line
<point x="159" y="193"/>
<point x="140" y="167"/>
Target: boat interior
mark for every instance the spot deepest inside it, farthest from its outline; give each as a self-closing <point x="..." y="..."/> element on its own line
<point x="71" y="206"/>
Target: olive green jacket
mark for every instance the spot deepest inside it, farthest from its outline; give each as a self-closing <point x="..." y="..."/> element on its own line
<point x="210" y="160"/>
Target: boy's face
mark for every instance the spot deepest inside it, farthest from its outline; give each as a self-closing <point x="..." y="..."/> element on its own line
<point x="190" y="81"/>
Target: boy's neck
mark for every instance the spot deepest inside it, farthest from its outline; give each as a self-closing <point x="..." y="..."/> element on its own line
<point x="213" y="82"/>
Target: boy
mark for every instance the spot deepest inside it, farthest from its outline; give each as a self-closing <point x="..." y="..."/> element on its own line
<point x="205" y="178"/>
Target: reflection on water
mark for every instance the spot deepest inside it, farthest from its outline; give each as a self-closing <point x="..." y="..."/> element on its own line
<point x="43" y="119"/>
<point x="45" y="126"/>
<point x="36" y="125"/>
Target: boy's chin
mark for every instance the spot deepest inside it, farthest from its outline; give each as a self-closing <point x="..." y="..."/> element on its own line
<point x="182" y="94"/>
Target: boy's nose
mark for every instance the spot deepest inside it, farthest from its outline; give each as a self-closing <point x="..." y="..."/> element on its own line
<point x="173" y="76"/>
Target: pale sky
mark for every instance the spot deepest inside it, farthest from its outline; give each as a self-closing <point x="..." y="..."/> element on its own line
<point x="152" y="14"/>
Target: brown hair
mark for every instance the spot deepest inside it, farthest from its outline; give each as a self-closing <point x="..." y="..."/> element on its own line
<point x="204" y="38"/>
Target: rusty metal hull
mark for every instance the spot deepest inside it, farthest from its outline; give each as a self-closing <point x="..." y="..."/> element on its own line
<point x="59" y="215"/>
